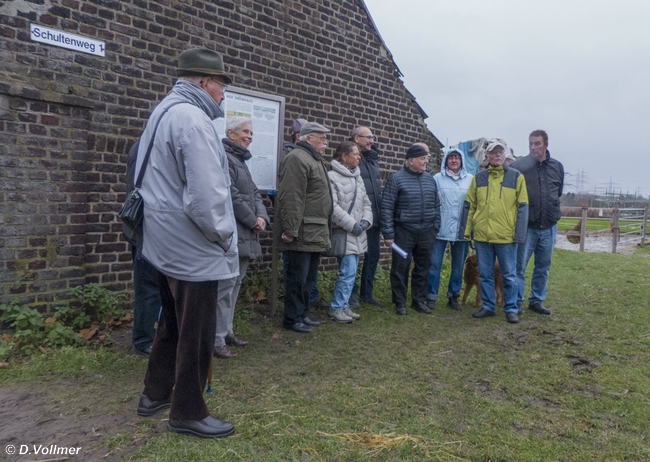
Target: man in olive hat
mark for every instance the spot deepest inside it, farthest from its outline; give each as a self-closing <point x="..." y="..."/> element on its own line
<point x="305" y="203"/>
<point x="190" y="237"/>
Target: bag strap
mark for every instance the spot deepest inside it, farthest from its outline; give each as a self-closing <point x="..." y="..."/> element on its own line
<point x="138" y="182"/>
<point x="354" y="199"/>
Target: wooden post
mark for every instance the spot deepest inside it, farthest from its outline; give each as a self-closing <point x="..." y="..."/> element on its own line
<point x="615" y="228"/>
<point x="583" y="229"/>
<point x="644" y="225"/>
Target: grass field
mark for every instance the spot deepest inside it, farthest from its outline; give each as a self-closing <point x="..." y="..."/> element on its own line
<point x="572" y="386"/>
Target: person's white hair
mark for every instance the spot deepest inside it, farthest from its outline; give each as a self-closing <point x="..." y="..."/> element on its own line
<point x="236" y="123"/>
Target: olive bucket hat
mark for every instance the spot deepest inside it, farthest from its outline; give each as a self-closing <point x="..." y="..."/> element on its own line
<point x="201" y="61"/>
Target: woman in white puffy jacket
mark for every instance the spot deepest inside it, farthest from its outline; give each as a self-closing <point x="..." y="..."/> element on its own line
<point x="353" y="213"/>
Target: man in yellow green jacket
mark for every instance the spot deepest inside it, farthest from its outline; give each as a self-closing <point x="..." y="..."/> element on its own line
<point x="496" y="216"/>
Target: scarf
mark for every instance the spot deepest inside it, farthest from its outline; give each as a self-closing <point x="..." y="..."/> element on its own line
<point x="450" y="173"/>
<point x="236" y="150"/>
<point x="198" y="97"/>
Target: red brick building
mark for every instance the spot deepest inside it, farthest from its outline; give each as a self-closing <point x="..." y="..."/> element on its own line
<point x="67" y="118"/>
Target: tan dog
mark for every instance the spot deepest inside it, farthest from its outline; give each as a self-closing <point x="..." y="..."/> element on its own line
<point x="471" y="279"/>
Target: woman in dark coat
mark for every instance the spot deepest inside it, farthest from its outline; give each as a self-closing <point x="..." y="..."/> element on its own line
<point x="252" y="219"/>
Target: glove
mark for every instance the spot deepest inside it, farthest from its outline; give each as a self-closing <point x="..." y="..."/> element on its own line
<point x="357" y="230"/>
<point x="364" y="224"/>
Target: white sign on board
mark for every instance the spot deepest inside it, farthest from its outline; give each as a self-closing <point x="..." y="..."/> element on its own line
<point x="63" y="39"/>
<point x="266" y="117"/>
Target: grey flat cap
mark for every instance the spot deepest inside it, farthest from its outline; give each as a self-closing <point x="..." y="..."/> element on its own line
<point x="313" y="127"/>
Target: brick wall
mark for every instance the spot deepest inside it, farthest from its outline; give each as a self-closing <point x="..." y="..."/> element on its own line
<point x="67" y="118"/>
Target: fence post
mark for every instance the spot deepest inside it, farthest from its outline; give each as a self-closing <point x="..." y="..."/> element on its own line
<point x="615" y="228"/>
<point x="583" y="229"/>
<point x="645" y="224"/>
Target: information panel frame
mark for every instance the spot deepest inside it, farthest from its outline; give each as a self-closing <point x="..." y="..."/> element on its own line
<point x="266" y="112"/>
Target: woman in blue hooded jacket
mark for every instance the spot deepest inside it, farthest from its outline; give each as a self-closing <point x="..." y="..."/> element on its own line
<point x="453" y="182"/>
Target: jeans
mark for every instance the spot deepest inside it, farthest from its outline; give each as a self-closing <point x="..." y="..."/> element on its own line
<point x="507" y="255"/>
<point x="314" y="294"/>
<point x="458" y="252"/>
<point x="228" y="294"/>
<point x="370" y="263"/>
<point x="541" y="243"/>
<point x="302" y="268"/>
<point x="418" y="247"/>
<point x="146" y="301"/>
<point x="343" y="288"/>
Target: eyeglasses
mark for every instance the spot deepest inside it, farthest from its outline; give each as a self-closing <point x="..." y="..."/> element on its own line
<point x="223" y="86"/>
<point x="370" y="137"/>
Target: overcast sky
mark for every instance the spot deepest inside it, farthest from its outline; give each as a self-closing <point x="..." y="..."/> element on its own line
<point x="579" y="69"/>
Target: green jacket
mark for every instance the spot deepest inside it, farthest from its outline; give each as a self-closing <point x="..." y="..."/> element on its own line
<point x="496" y="207"/>
<point x="305" y="200"/>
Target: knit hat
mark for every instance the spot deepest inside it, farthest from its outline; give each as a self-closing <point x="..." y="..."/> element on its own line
<point x="313" y="127"/>
<point x="416" y="150"/>
<point x="297" y="125"/>
<point x="201" y="61"/>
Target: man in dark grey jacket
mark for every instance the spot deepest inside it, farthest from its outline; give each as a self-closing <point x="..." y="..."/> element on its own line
<point x="410" y="218"/>
<point x="544" y="181"/>
<point x="369" y="169"/>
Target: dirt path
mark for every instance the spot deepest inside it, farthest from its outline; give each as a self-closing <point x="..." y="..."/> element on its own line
<point x="86" y="414"/>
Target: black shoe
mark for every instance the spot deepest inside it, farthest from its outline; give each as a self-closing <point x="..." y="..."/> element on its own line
<point x="431" y="304"/>
<point x="421" y="307"/>
<point x="400" y="309"/>
<point x="373" y="301"/>
<point x="512" y="317"/>
<point x="539" y="308"/>
<point x="353" y="301"/>
<point x="520" y="310"/>
<point x="299" y="327"/>
<point x="310" y="322"/>
<point x="320" y="304"/>
<point x="146" y="351"/>
<point x="147" y="407"/>
<point x="453" y="303"/>
<point x="232" y="339"/>
<point x="206" y="428"/>
<point x="483" y="313"/>
<point x="223" y="352"/>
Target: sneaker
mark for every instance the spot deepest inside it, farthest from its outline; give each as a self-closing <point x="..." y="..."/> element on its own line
<point x="400" y="310"/>
<point x="453" y="303"/>
<point x="353" y="302"/>
<point x="339" y="316"/>
<point x="351" y="313"/>
<point x="512" y="317"/>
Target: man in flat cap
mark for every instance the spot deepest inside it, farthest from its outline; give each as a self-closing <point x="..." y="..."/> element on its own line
<point x="410" y="218"/>
<point x="190" y="237"/>
<point x="496" y="214"/>
<point x="305" y="204"/>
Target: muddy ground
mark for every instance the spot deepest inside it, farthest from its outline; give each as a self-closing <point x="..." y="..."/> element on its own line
<point x="596" y="242"/>
<point x="53" y="412"/>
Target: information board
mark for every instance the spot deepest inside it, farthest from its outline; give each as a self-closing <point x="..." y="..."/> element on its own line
<point x="266" y="112"/>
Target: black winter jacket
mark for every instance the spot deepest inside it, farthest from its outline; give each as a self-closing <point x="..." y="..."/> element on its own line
<point x="369" y="169"/>
<point x="410" y="200"/>
<point x="246" y="200"/>
<point x="544" y="181"/>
